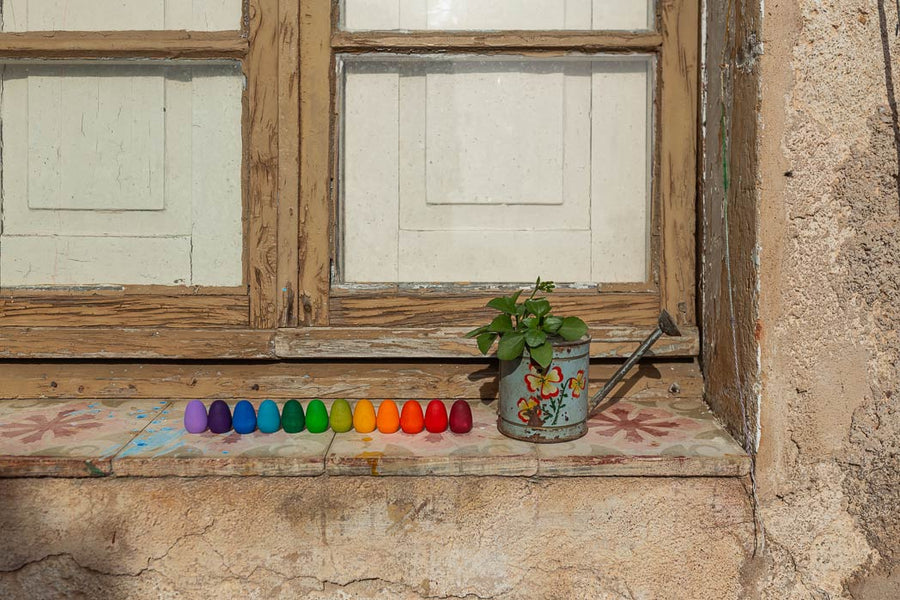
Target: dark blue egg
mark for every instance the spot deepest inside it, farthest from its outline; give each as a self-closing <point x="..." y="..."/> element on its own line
<point x="244" y="420"/>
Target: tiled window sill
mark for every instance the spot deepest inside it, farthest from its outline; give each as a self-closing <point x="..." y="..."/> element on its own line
<point x="81" y="438"/>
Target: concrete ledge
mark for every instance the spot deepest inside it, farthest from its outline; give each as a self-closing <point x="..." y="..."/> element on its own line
<point x="145" y="438"/>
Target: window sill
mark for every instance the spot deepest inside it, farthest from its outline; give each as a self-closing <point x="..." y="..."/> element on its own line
<point x="81" y="438"/>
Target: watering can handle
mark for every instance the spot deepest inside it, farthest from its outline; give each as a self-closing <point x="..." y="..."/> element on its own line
<point x="665" y="325"/>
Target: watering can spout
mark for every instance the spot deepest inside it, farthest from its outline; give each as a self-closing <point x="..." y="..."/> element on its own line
<point x="665" y="325"/>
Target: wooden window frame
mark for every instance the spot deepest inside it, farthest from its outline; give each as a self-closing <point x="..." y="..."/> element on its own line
<point x="290" y="309"/>
<point x="266" y="46"/>
<point x="339" y="317"/>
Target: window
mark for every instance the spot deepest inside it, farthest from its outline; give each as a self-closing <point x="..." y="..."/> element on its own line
<point x="397" y="159"/>
<point x="141" y="160"/>
<point x="464" y="133"/>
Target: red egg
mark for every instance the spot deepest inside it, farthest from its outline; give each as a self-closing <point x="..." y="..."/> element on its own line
<point x="460" y="417"/>
<point x="436" y="417"/>
<point x="411" y="418"/>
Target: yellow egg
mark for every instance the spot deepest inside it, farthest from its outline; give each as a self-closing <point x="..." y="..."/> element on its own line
<point x="364" y="417"/>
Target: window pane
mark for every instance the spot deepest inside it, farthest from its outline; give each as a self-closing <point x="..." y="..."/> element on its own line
<point x="100" y="15"/>
<point x="496" y="169"/>
<point x="121" y="174"/>
<point x="498" y="14"/>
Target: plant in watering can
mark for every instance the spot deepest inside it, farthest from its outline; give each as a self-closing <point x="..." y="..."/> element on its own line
<point x="544" y="360"/>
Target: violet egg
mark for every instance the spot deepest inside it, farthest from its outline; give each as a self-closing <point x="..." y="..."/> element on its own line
<point x="195" y="417"/>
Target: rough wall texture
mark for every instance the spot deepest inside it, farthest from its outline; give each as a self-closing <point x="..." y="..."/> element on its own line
<point x="318" y="538"/>
<point x="829" y="302"/>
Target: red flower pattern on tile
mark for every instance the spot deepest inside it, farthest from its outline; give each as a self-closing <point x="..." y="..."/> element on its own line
<point x="35" y="427"/>
<point x="638" y="426"/>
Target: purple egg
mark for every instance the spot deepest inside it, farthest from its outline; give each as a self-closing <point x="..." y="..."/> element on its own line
<point x="195" y="418"/>
<point x="219" y="417"/>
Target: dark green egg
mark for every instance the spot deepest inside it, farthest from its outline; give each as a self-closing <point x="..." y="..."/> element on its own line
<point x="292" y="418"/>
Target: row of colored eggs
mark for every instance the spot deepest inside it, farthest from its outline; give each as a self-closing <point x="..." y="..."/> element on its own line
<point x="364" y="418"/>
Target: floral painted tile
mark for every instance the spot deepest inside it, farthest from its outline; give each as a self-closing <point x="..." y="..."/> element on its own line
<point x="678" y="437"/>
<point x="166" y="448"/>
<point x="482" y="451"/>
<point x="68" y="438"/>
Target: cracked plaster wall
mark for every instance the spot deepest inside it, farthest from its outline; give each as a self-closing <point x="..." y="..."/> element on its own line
<point x="829" y="302"/>
<point x="391" y="538"/>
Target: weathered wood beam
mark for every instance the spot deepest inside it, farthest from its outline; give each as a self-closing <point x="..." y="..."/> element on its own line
<point x="507" y="41"/>
<point x="123" y="44"/>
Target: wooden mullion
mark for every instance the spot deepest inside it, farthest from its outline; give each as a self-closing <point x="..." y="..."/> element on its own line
<point x="448" y="342"/>
<point x="316" y="209"/>
<point x="261" y="68"/>
<point x="288" y="162"/>
<point x="108" y="310"/>
<point x="205" y="45"/>
<point x="678" y="113"/>
<point x="144" y="343"/>
<point x="120" y="290"/>
<point x="239" y="380"/>
<point x="462" y="309"/>
<point x="168" y="343"/>
<point x="507" y="41"/>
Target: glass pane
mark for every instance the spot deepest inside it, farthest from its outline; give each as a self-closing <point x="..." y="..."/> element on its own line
<point x="496" y="169"/>
<point x="498" y="14"/>
<point x="121" y="174"/>
<point x="111" y="15"/>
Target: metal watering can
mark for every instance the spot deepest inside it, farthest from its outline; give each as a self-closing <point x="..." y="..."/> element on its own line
<point x="551" y="405"/>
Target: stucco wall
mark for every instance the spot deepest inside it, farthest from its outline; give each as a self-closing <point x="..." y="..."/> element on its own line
<point x="829" y="301"/>
<point x="389" y="538"/>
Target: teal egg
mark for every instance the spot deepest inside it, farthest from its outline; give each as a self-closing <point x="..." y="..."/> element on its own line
<point x="267" y="418"/>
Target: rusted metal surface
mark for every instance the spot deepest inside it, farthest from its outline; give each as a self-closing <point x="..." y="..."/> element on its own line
<point x="665" y="325"/>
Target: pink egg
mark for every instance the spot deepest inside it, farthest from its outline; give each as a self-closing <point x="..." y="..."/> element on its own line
<point x="195" y="417"/>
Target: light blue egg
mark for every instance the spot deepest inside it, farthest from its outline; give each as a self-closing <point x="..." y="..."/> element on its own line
<point x="267" y="419"/>
<point x="244" y="417"/>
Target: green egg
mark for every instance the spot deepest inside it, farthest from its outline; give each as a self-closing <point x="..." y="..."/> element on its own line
<point x="292" y="417"/>
<point x="341" y="416"/>
<point x="316" y="417"/>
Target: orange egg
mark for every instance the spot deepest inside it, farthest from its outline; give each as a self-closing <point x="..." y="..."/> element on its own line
<point x="388" y="420"/>
<point x="412" y="420"/>
<point x="364" y="417"/>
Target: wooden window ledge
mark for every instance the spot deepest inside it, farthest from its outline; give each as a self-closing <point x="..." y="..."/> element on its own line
<point x="145" y="438"/>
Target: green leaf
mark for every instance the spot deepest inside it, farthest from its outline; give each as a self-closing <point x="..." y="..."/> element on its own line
<point x="572" y="328"/>
<point x="500" y="324"/>
<point x="515" y="297"/>
<point x="511" y="346"/>
<point x="539" y="307"/>
<point x="530" y="323"/>
<point x="485" y="341"/>
<point x="503" y="304"/>
<point x="552" y="324"/>
<point x="520" y="310"/>
<point x="477" y="332"/>
<point x="535" y="337"/>
<point x="543" y="354"/>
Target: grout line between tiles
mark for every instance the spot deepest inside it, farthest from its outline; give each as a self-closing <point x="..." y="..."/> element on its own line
<point x="114" y="457"/>
<point x="328" y="453"/>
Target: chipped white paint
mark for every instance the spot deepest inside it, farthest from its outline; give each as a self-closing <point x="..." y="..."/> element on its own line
<point x="121" y="174"/>
<point x="498" y="14"/>
<point x="100" y="15"/>
<point x="463" y="169"/>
